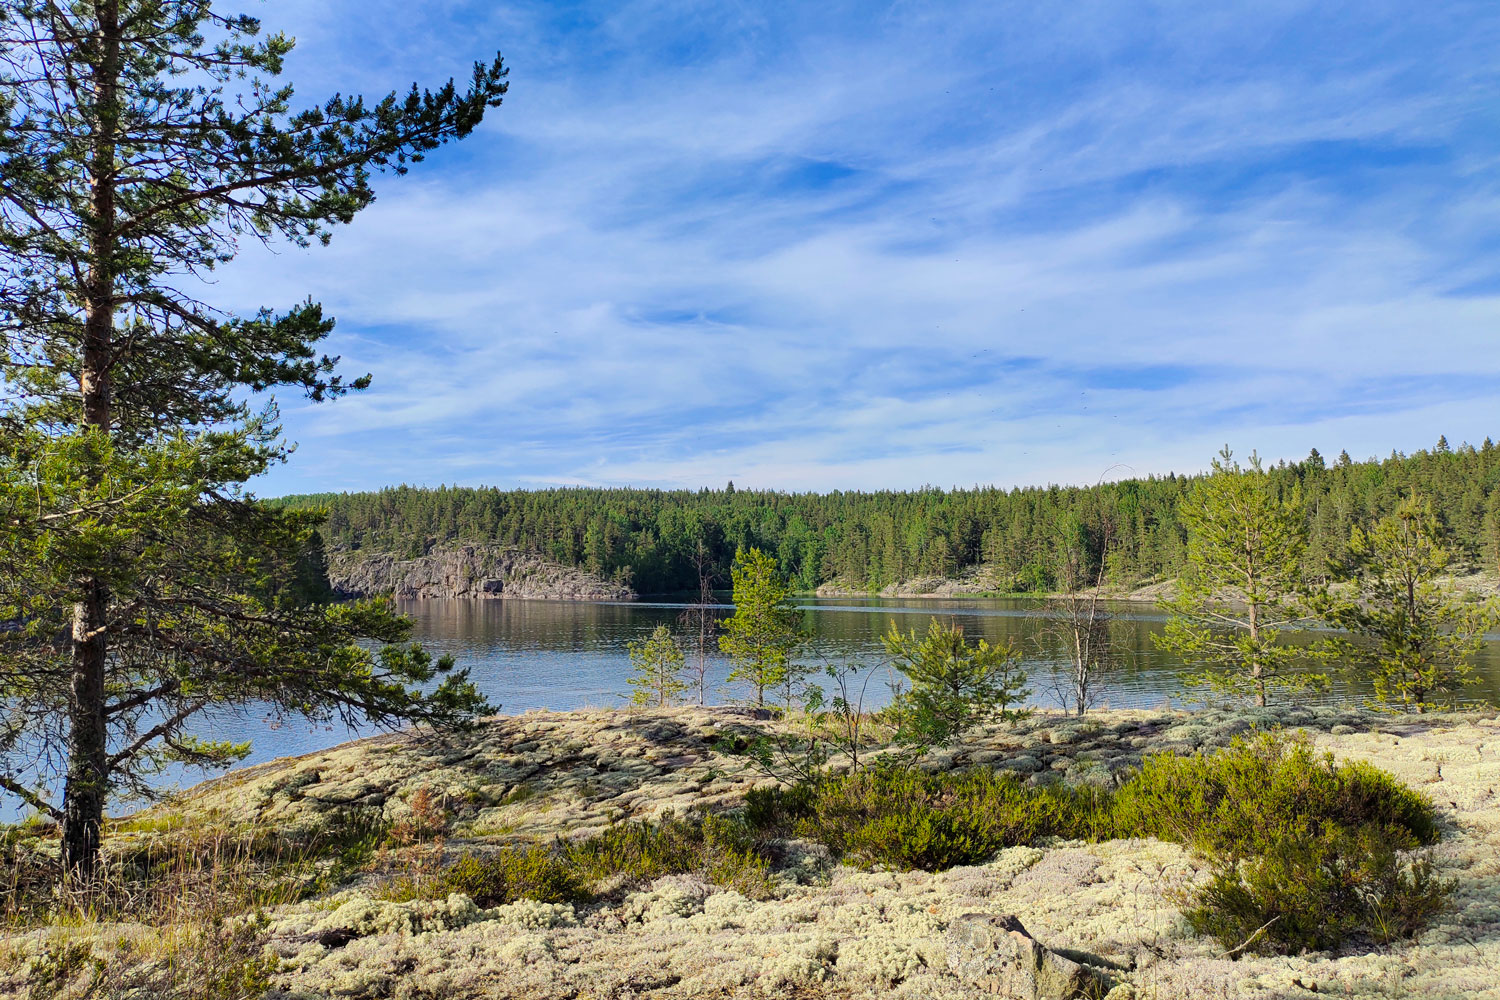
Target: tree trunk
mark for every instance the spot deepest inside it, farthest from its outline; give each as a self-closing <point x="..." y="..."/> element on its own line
<point x="87" y="783"/>
<point x="1080" y="670"/>
<point x="88" y="751"/>
<point x="1257" y="669"/>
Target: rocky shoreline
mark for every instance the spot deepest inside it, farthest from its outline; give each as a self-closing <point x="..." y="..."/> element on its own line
<point x="982" y="582"/>
<point x="475" y="572"/>
<point x="832" y="931"/>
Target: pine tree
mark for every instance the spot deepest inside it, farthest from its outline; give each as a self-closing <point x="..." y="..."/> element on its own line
<point x="955" y="685"/>
<point x="140" y="575"/>
<point x="656" y="668"/>
<point x="1245" y="547"/>
<point x="1490" y="540"/>
<point x="1414" y="638"/>
<point x="765" y="629"/>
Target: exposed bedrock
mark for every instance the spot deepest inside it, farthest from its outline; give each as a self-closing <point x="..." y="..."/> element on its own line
<point x="467" y="571"/>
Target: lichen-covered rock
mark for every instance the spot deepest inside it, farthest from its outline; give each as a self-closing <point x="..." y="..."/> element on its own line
<point x="995" y="954"/>
<point x="831" y="931"/>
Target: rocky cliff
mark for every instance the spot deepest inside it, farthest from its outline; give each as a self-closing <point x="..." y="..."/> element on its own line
<point x="467" y="571"/>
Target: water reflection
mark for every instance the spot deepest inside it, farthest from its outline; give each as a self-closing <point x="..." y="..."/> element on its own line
<point x="538" y="654"/>
<point x="543" y="654"/>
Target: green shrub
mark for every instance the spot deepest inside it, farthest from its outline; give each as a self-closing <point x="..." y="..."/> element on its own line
<point x="1368" y="794"/>
<point x="1242" y="800"/>
<point x="907" y="819"/>
<point x="776" y="809"/>
<point x="1305" y="852"/>
<point x="512" y="874"/>
<point x="722" y="851"/>
<point x="1315" y="890"/>
<point x="350" y="837"/>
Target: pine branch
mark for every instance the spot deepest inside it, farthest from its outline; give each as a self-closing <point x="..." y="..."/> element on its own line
<point x="30" y="798"/>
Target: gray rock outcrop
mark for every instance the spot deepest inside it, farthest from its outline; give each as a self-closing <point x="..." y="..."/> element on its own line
<point x="486" y="572"/>
<point x="996" y="955"/>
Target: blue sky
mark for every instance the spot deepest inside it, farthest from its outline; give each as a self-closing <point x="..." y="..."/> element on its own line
<point x="851" y="246"/>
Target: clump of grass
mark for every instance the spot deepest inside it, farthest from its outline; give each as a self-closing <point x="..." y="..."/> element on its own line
<point x="196" y="886"/>
<point x="521" y="793"/>
<point x="218" y="961"/>
<point x="198" y="892"/>
<point x="721" y="850"/>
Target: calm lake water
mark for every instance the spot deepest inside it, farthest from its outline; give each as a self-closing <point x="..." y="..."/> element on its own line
<point x="561" y="655"/>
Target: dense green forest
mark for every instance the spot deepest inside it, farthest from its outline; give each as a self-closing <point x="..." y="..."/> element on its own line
<point x="649" y="538"/>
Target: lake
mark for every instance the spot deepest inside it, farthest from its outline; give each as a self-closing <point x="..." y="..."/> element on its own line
<point x="562" y="655"/>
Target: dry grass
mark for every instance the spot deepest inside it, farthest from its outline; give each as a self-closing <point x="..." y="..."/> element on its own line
<point x="178" y="910"/>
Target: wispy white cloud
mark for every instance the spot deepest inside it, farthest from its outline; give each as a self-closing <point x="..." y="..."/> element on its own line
<point x="839" y="246"/>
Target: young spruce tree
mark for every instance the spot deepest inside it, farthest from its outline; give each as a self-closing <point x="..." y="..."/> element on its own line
<point x="1243" y="582"/>
<point x="141" y="587"/>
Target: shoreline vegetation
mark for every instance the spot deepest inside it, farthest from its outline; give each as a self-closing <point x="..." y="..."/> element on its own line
<point x="478" y="571"/>
<point x="1005" y="540"/>
<point x="429" y="866"/>
<point x="1480" y="584"/>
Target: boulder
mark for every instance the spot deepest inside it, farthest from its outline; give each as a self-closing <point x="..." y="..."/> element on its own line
<point x="995" y="954"/>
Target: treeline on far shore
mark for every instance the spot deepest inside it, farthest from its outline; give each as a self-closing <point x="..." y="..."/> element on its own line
<point x="658" y="540"/>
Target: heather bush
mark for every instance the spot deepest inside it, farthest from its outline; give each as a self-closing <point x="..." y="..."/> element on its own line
<point x="510" y="875"/>
<point x="1305" y="853"/>
<point x="906" y="819"/>
<point x="1313" y="890"/>
<point x="1242" y="800"/>
<point x="722" y="851"/>
<point x="776" y="809"/>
